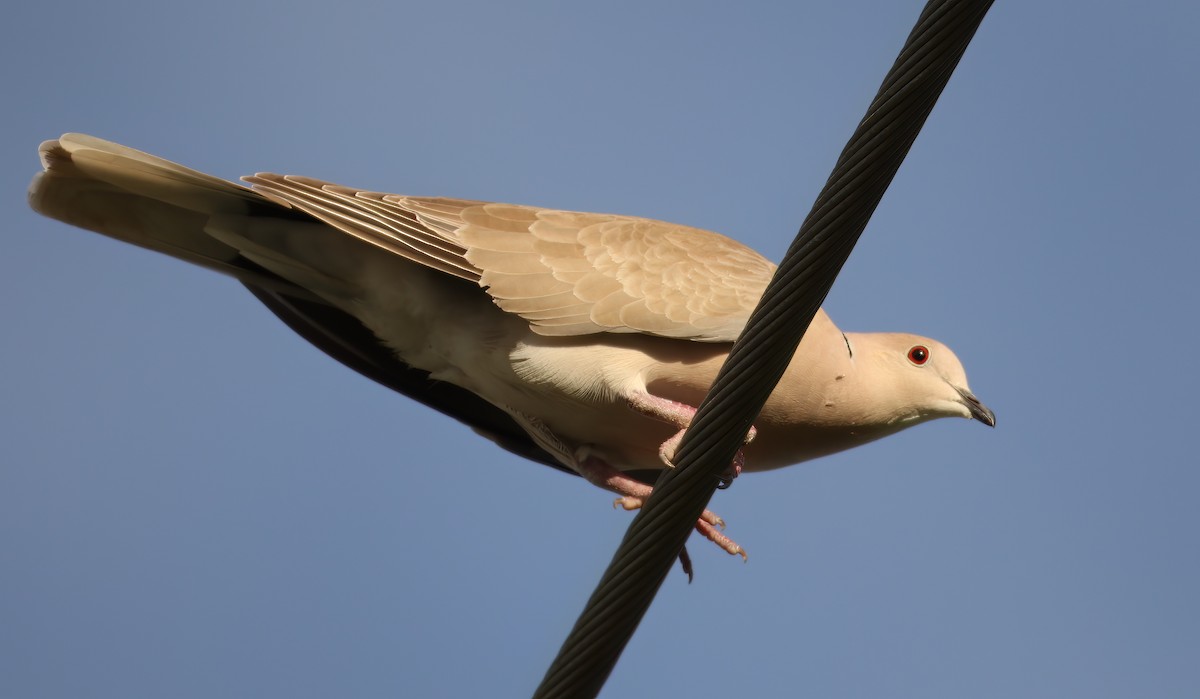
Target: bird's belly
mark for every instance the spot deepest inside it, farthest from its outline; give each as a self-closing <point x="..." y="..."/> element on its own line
<point x="622" y="437"/>
<point x="580" y="389"/>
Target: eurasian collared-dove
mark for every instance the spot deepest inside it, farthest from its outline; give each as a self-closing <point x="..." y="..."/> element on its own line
<point x="578" y="340"/>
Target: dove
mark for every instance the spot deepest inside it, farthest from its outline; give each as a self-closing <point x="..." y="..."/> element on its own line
<point x="583" y="341"/>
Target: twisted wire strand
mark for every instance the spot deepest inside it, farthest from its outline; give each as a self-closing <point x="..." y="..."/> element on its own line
<point x="759" y="357"/>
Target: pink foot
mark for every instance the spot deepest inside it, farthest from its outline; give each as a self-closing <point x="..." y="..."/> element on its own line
<point x="680" y="415"/>
<point x="633" y="493"/>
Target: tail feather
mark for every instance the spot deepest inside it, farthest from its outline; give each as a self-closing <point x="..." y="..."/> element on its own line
<point x="152" y="203"/>
<point x="155" y="177"/>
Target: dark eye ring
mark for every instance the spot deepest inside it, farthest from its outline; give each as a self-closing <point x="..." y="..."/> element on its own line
<point x="918" y="354"/>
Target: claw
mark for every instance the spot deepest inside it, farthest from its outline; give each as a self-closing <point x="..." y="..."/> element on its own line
<point x="685" y="561"/>
<point x="666" y="451"/>
<point x="629" y="503"/>
<point x="728" y="545"/>
<point x="735" y="469"/>
<point x="713" y="519"/>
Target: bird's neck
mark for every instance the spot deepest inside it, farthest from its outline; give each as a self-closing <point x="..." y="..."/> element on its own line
<point x="823" y="404"/>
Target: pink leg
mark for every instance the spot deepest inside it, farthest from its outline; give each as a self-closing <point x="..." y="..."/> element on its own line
<point x="599" y="472"/>
<point x="680" y="415"/>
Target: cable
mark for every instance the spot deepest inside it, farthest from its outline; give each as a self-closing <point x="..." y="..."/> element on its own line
<point x="759" y="357"/>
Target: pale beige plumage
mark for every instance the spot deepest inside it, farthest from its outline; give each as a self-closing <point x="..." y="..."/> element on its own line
<point x="595" y="334"/>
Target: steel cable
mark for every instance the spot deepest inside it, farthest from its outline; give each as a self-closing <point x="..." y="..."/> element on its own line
<point x="759" y="357"/>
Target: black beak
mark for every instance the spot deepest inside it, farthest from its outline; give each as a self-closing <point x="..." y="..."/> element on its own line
<point x="979" y="411"/>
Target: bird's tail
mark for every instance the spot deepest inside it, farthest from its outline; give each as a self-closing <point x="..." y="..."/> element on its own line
<point x="153" y="203"/>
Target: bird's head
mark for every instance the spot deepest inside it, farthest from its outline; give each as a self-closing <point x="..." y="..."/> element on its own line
<point x="917" y="379"/>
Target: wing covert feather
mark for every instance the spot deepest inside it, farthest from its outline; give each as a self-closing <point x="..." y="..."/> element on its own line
<point x="567" y="273"/>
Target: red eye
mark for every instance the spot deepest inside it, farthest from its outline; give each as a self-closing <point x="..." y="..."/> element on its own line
<point x="918" y="355"/>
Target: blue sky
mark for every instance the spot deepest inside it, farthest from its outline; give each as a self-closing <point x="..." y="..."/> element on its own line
<point x="196" y="503"/>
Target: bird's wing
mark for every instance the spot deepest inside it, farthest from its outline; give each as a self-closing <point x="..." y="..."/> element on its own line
<point x="565" y="272"/>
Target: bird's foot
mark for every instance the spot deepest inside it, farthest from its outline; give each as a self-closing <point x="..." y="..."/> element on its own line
<point x="680" y="415"/>
<point x="634" y="493"/>
<point x="630" y="502"/>
<point x="710" y="525"/>
<point x="666" y="453"/>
